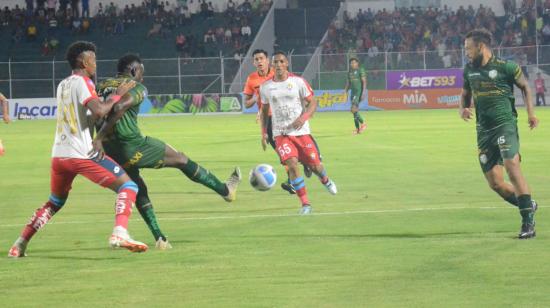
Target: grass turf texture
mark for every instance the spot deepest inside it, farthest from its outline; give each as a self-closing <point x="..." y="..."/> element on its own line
<point x="414" y="223"/>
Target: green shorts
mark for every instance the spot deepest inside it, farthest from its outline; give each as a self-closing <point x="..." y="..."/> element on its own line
<point x="496" y="145"/>
<point x="148" y="152"/>
<point x="356" y="97"/>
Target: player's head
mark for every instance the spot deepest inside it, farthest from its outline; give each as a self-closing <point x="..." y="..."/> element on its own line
<point x="261" y="60"/>
<point x="81" y="56"/>
<point x="354" y="63"/>
<point x="280" y="62"/>
<point x="130" y="64"/>
<point x="477" y="43"/>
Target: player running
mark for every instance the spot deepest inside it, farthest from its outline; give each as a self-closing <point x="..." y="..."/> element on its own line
<point x="73" y="153"/>
<point x="357" y="82"/>
<point x="122" y="140"/>
<point x="286" y="94"/>
<point x="490" y="82"/>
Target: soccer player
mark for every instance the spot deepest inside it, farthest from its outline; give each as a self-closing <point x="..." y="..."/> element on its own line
<point x="73" y="152"/>
<point x="122" y="140"/>
<point x="357" y="82"/>
<point x="251" y="93"/>
<point x="5" y="117"/>
<point x="490" y="82"/>
<point x="540" y="90"/>
<point x="286" y="94"/>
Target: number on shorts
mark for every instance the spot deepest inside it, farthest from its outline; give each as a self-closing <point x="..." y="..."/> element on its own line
<point x="501" y="140"/>
<point x="284" y="149"/>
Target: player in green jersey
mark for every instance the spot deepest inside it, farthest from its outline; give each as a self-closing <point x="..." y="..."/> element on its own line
<point x="122" y="140"/>
<point x="489" y="81"/>
<point x="357" y="82"/>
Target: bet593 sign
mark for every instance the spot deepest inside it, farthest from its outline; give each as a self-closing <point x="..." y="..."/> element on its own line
<point x="420" y="79"/>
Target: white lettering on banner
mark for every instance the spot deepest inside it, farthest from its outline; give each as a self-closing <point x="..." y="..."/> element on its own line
<point x="35" y="108"/>
<point x="416" y="98"/>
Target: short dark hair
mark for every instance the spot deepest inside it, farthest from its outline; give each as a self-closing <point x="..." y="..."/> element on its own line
<point x="279" y="52"/>
<point x="481" y="35"/>
<point x="126" y="60"/>
<point x="354" y="59"/>
<point x="76" y="49"/>
<point x="257" y="51"/>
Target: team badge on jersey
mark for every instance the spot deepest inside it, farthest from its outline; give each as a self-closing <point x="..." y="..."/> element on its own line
<point x="493" y="74"/>
<point x="289" y="86"/>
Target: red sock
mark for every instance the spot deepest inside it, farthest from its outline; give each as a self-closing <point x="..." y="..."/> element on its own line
<point x="39" y="219"/>
<point x="302" y="194"/>
<point x="123" y="207"/>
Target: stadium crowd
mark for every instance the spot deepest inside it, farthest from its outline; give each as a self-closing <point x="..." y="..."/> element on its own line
<point x="439" y="30"/>
<point x="42" y="19"/>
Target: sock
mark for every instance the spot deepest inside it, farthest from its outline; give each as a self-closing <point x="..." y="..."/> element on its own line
<point x="148" y="214"/>
<point x="359" y="118"/>
<point x="300" y="187"/>
<point x="42" y="216"/>
<point x="323" y="177"/>
<point x="356" y="120"/>
<point x="125" y="200"/>
<point x="198" y="174"/>
<point x="526" y="209"/>
<point x="512" y="199"/>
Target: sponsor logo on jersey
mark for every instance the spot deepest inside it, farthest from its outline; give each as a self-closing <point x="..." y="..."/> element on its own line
<point x="493" y="74"/>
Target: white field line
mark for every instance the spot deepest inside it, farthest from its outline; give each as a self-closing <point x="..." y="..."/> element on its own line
<point x="281" y="215"/>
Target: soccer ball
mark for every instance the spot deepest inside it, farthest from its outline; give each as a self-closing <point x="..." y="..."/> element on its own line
<point x="263" y="177"/>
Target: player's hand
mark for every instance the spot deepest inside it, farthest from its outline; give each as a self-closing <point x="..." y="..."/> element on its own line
<point x="6" y="119"/>
<point x="465" y="114"/>
<point x="264" y="142"/>
<point x="533" y="121"/>
<point x="124" y="87"/>
<point x="298" y="123"/>
<point x="363" y="96"/>
<point x="97" y="153"/>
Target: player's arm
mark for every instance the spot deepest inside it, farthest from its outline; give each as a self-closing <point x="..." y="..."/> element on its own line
<point x="264" y="118"/>
<point x="249" y="101"/>
<point x="99" y="109"/>
<point x="465" y="99"/>
<point x="364" y="83"/>
<point x="311" y="106"/>
<point x="5" y="109"/>
<point x="523" y="85"/>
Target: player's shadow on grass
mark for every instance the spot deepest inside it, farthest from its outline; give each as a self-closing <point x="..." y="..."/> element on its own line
<point x="76" y="258"/>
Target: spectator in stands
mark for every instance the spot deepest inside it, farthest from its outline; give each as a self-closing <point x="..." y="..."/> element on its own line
<point x="30" y="7"/>
<point x="32" y="31"/>
<point x="86" y="8"/>
<point x="119" y="26"/>
<point x="63" y="4"/>
<point x="180" y="42"/>
<point x="45" y="47"/>
<point x="5" y="16"/>
<point x="193" y="6"/>
<point x="41" y="14"/>
<point x="51" y="4"/>
<point x="77" y="23"/>
<point x="85" y="25"/>
<point x="227" y="36"/>
<point x="204" y="9"/>
<point x="209" y="37"/>
<point x="74" y="8"/>
<point x="246" y="32"/>
<point x="155" y="30"/>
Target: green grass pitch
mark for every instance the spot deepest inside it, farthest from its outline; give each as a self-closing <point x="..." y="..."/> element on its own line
<point x="414" y="223"/>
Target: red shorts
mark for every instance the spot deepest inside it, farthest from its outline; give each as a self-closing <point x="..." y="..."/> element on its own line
<point x="301" y="147"/>
<point x="64" y="170"/>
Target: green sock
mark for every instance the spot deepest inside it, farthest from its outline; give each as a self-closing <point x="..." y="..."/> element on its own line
<point x="148" y="214"/>
<point x="359" y="118"/>
<point x="526" y="209"/>
<point x="356" y="120"/>
<point x="198" y="174"/>
<point x="512" y="199"/>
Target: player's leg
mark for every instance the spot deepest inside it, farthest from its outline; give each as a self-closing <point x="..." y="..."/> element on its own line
<point x="146" y="210"/>
<point x="109" y="174"/>
<point x="357" y="118"/>
<point x="285" y="185"/>
<point x="495" y="179"/>
<point x="198" y="174"/>
<point x="309" y="155"/>
<point x="288" y="154"/>
<point x="60" y="182"/>
<point x="508" y="142"/>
